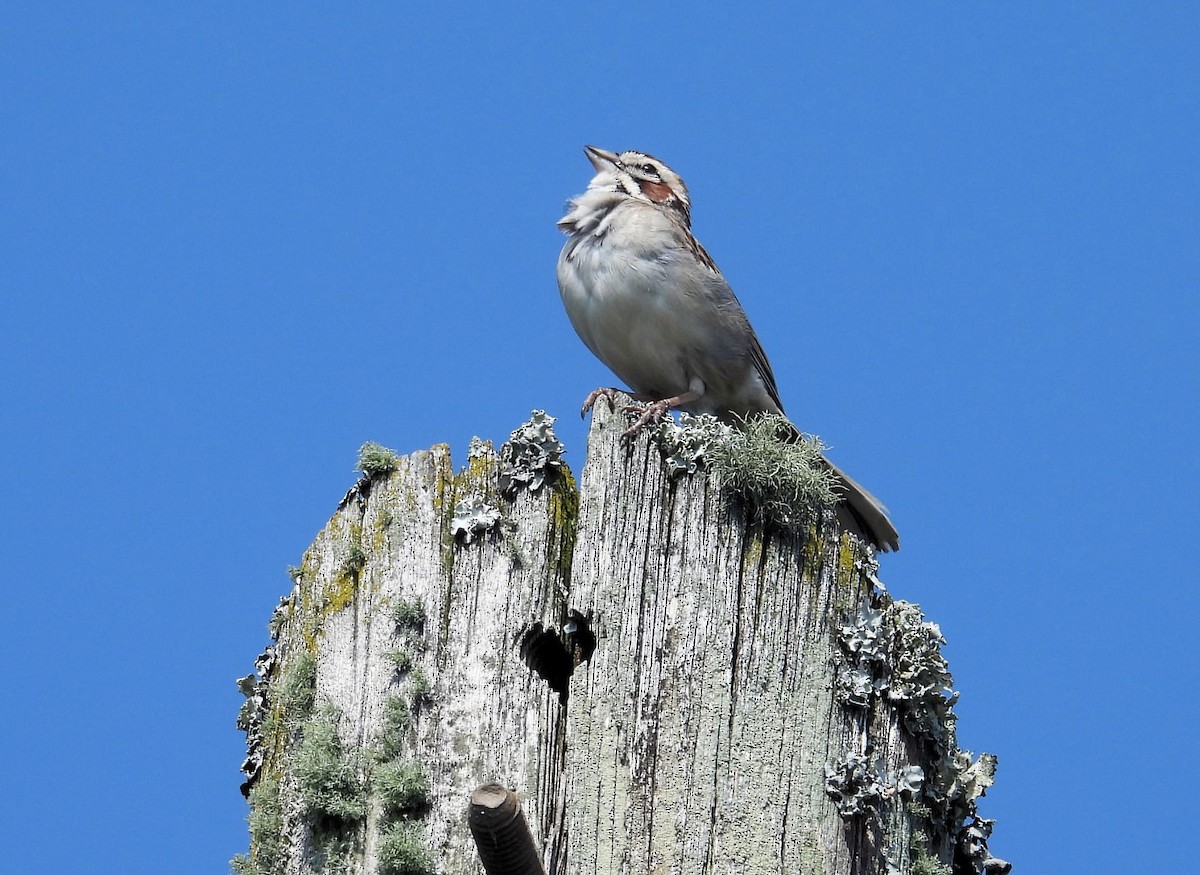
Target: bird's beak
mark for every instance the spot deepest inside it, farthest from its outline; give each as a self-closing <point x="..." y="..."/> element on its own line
<point x="602" y="159"/>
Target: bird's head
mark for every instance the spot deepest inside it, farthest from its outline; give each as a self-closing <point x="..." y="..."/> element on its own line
<point x="639" y="176"/>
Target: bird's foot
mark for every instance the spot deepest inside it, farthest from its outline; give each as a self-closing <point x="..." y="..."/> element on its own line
<point x="603" y="392"/>
<point x="651" y="414"/>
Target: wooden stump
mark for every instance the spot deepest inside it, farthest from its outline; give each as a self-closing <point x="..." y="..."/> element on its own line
<point x="666" y="688"/>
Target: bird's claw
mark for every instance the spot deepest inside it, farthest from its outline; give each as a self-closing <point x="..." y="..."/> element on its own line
<point x="651" y="414"/>
<point x="596" y="394"/>
<point x="643" y="415"/>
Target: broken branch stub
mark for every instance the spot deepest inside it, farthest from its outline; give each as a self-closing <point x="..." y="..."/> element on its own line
<point x="501" y="834"/>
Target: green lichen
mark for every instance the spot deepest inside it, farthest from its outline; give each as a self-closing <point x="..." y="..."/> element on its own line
<point x="419" y="687"/>
<point x="268" y="843"/>
<point x="328" y="777"/>
<point x="753" y="545"/>
<point x="290" y="699"/>
<point x="443" y="497"/>
<point x="335" y="851"/>
<point x="397" y="719"/>
<point x="812" y="856"/>
<point x="356" y="556"/>
<point x="401" y="659"/>
<point x="563" y="510"/>
<point x="383" y="523"/>
<point x="375" y="459"/>
<point x="776" y="476"/>
<point x="443" y="476"/>
<point x="923" y="862"/>
<point x="409" y="614"/>
<point x="481" y="468"/>
<point x="298" y="686"/>
<point x="409" y="617"/>
<point x="847" y="563"/>
<point x="402" y="788"/>
<point x="340" y="592"/>
<point x="402" y="851"/>
<point x="918" y="809"/>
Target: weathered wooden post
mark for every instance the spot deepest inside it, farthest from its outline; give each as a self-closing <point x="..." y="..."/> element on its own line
<point x="666" y="686"/>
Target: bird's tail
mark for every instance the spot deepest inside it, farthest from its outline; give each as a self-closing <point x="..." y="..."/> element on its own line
<point x="861" y="512"/>
<point x="858" y="511"/>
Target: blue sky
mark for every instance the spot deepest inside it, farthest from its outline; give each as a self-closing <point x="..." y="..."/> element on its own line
<point x="240" y="239"/>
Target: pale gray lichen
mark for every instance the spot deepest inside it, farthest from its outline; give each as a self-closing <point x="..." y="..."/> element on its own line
<point x="531" y="454"/>
<point x="265" y="662"/>
<point x="894" y="653"/>
<point x="473" y="516"/>
<point x="893" y="658"/>
<point x="854" y="784"/>
<point x="253" y="713"/>
<point x="973" y="854"/>
<point x="478" y="448"/>
<point x="960" y="782"/>
<point x="279" y="616"/>
<point x="863" y="638"/>
<point x="919" y="670"/>
<point x="857" y="686"/>
<point x="909" y="780"/>
<point x="684" y="445"/>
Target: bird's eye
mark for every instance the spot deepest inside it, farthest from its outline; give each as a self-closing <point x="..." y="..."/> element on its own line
<point x="650" y="169"/>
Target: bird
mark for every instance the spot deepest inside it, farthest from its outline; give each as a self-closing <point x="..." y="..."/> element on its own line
<point x="647" y="299"/>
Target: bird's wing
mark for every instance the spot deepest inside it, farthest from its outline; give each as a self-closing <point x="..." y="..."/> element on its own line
<point x="759" y="356"/>
<point x="723" y="291"/>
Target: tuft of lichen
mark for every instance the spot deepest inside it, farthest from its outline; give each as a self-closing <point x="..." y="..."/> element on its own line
<point x="268" y="843"/>
<point x="330" y="786"/>
<point x="402" y="787"/>
<point x="409" y="614"/>
<point x="419" y="686"/>
<point x="401" y="659"/>
<point x="402" y="851"/>
<point x="925" y="864"/>
<point x="280" y="616"/>
<point x="298" y="687"/>
<point x="397" y="718"/>
<point x="375" y="459"/>
<point x="771" y="472"/>
<point x="355" y="561"/>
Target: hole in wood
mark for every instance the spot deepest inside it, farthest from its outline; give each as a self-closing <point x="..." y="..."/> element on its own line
<point x="553" y="655"/>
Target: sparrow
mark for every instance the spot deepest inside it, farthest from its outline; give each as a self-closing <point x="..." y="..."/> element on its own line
<point x="651" y="304"/>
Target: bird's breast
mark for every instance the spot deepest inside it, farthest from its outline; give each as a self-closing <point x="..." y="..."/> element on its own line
<point x="626" y="307"/>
